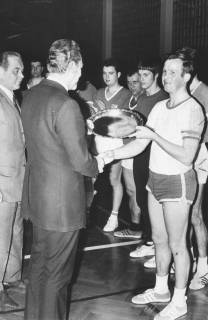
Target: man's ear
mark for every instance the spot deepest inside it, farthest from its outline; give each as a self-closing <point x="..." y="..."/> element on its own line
<point x="71" y="65"/>
<point x="119" y="74"/>
<point x="187" y="77"/>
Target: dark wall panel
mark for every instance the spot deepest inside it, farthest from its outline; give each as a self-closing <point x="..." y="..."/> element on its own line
<point x="30" y="26"/>
<point x="136" y="28"/>
<point x="85" y="26"/>
<point x="190" y="23"/>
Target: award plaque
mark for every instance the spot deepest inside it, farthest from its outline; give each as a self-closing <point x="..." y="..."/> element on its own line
<point x="115" y="123"/>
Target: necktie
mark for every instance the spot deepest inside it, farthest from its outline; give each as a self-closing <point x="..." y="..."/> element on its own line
<point x="133" y="102"/>
<point x="16" y="104"/>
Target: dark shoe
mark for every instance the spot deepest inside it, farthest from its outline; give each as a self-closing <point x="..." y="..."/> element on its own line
<point x="128" y="234"/>
<point x="6" y="300"/>
<point x="19" y="284"/>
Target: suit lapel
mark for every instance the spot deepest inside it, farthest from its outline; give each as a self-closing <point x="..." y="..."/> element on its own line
<point x="9" y="104"/>
<point x="8" y="101"/>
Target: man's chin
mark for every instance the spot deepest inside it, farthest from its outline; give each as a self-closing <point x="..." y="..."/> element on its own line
<point x="17" y="87"/>
<point x="74" y="87"/>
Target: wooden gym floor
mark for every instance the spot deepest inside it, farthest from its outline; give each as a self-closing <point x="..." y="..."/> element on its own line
<point x="106" y="277"/>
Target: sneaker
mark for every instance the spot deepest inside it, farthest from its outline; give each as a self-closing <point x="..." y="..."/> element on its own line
<point x="127" y="233"/>
<point x="198" y="282"/>
<point x="19" y="284"/>
<point x="111" y="224"/>
<point x="151" y="264"/>
<point x="143" y="251"/>
<point x="171" y="312"/>
<point x="150" y="296"/>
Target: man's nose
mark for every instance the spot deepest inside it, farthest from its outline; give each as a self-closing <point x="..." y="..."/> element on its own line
<point x="21" y="74"/>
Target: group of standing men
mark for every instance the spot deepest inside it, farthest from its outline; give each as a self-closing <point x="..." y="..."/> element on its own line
<point x="53" y="196"/>
<point x="175" y="128"/>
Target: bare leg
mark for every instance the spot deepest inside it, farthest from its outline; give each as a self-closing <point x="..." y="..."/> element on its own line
<point x="199" y="225"/>
<point x="131" y="191"/>
<point x="159" y="236"/>
<point x="160" y="292"/>
<point x="115" y="181"/>
<point x="176" y="220"/>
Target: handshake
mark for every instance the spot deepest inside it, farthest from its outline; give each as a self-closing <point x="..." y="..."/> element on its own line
<point x="104" y="158"/>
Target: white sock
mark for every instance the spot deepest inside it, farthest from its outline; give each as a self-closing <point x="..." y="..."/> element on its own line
<point x="179" y="297"/>
<point x="192" y="253"/>
<point x="161" y="285"/>
<point x="202" y="266"/>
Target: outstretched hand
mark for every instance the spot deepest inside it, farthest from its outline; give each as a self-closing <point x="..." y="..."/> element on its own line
<point x="143" y="132"/>
<point x="100" y="162"/>
<point x="107" y="156"/>
<point x="90" y="126"/>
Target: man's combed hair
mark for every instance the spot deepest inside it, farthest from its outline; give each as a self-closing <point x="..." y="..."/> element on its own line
<point x="152" y="64"/>
<point x="112" y="62"/>
<point x="187" y="56"/>
<point x="131" y="71"/>
<point x="61" y="53"/>
<point x="4" y="62"/>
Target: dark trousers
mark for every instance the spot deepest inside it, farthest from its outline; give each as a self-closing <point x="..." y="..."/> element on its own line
<point x="51" y="267"/>
<point x="141" y="174"/>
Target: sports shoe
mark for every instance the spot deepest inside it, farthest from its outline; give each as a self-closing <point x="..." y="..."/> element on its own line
<point x="143" y="251"/>
<point x="19" y="285"/>
<point x="151" y="264"/>
<point x="127" y="233"/>
<point x="150" y="296"/>
<point x="111" y="224"/>
<point x="171" y="312"/>
<point x="198" y="282"/>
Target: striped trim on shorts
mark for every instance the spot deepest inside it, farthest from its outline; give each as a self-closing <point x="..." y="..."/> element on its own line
<point x="180" y="187"/>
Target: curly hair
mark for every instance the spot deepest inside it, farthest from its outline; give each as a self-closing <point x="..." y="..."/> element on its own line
<point x="61" y="53"/>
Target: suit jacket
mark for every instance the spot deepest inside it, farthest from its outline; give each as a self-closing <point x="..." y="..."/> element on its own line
<point x="58" y="158"/>
<point x="12" y="151"/>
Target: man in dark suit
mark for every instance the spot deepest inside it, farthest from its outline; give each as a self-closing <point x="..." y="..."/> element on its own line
<point x="53" y="193"/>
<point x="12" y="168"/>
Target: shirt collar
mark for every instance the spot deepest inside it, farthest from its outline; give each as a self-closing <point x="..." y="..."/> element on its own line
<point x="53" y="77"/>
<point x="195" y="87"/>
<point x="8" y="92"/>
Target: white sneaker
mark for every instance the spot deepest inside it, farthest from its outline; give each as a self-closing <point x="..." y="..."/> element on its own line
<point x="198" y="281"/>
<point x="143" y="251"/>
<point x="171" y="312"/>
<point x="151" y="264"/>
<point x="150" y="296"/>
<point x="111" y="224"/>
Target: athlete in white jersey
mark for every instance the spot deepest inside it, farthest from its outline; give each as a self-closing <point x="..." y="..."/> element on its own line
<point x="174" y="126"/>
